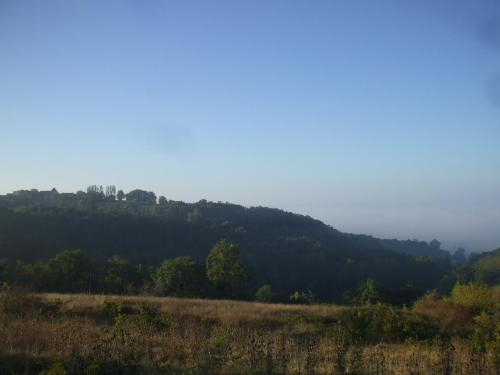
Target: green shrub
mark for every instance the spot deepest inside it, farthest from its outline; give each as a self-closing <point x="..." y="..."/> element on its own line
<point x="494" y="347"/>
<point x="379" y="322"/>
<point x="56" y="369"/>
<point x="486" y="332"/>
<point x="220" y="345"/>
<point x="367" y="293"/>
<point x="112" y="309"/>
<point x="149" y="319"/>
<point x="264" y="293"/>
<point x="384" y="323"/>
<point x="475" y="296"/>
<point x="306" y="298"/>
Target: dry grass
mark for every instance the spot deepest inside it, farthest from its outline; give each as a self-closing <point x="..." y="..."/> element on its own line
<point x="234" y="312"/>
<point x="180" y="336"/>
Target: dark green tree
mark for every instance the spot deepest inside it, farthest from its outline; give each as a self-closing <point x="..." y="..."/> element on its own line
<point x="121" y="276"/>
<point x="141" y="196"/>
<point x="34" y="276"/>
<point x="435" y="244"/>
<point x="120" y="195"/>
<point x="180" y="277"/>
<point x="225" y="270"/>
<point x="367" y="293"/>
<point x="459" y="256"/>
<point x="71" y="271"/>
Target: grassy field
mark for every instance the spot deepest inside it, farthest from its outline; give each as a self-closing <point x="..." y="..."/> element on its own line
<point x="94" y="334"/>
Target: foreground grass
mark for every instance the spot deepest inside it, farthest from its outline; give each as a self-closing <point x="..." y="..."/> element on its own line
<point x="89" y="334"/>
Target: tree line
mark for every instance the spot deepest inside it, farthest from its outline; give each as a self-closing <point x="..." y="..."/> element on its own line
<point x="223" y="274"/>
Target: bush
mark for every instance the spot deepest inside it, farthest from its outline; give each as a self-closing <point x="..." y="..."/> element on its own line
<point x="485" y="333"/>
<point x="475" y="296"/>
<point x="379" y="322"/>
<point x="56" y="369"/>
<point x="264" y="293"/>
<point x="494" y="347"/>
<point x="305" y="298"/>
<point x="449" y="317"/>
<point x="384" y="323"/>
<point x="367" y="293"/>
<point x="112" y="309"/>
<point x="149" y="319"/>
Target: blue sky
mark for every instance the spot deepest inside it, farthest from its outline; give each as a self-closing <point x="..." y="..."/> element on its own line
<point x="377" y="117"/>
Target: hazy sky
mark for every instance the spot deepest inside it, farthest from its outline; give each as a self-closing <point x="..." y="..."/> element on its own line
<point x="377" y="117"/>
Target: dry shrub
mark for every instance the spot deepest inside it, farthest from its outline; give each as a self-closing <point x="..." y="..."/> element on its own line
<point x="452" y="319"/>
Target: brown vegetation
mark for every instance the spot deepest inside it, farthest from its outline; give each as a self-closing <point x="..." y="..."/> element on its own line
<point x="88" y="334"/>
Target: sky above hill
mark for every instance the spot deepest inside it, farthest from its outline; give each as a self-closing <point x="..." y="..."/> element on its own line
<point x="377" y="117"/>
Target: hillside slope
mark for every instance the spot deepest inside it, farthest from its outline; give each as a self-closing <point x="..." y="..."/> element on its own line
<point x="289" y="251"/>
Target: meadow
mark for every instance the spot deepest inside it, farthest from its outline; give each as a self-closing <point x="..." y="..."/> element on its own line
<point x="101" y="334"/>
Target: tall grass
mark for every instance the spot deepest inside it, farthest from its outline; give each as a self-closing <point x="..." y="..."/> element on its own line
<point x="135" y="335"/>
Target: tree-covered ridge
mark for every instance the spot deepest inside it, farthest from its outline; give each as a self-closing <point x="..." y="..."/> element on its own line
<point x="99" y="199"/>
<point x="288" y="251"/>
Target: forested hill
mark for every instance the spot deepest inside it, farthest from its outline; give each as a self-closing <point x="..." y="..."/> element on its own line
<point x="290" y="251"/>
